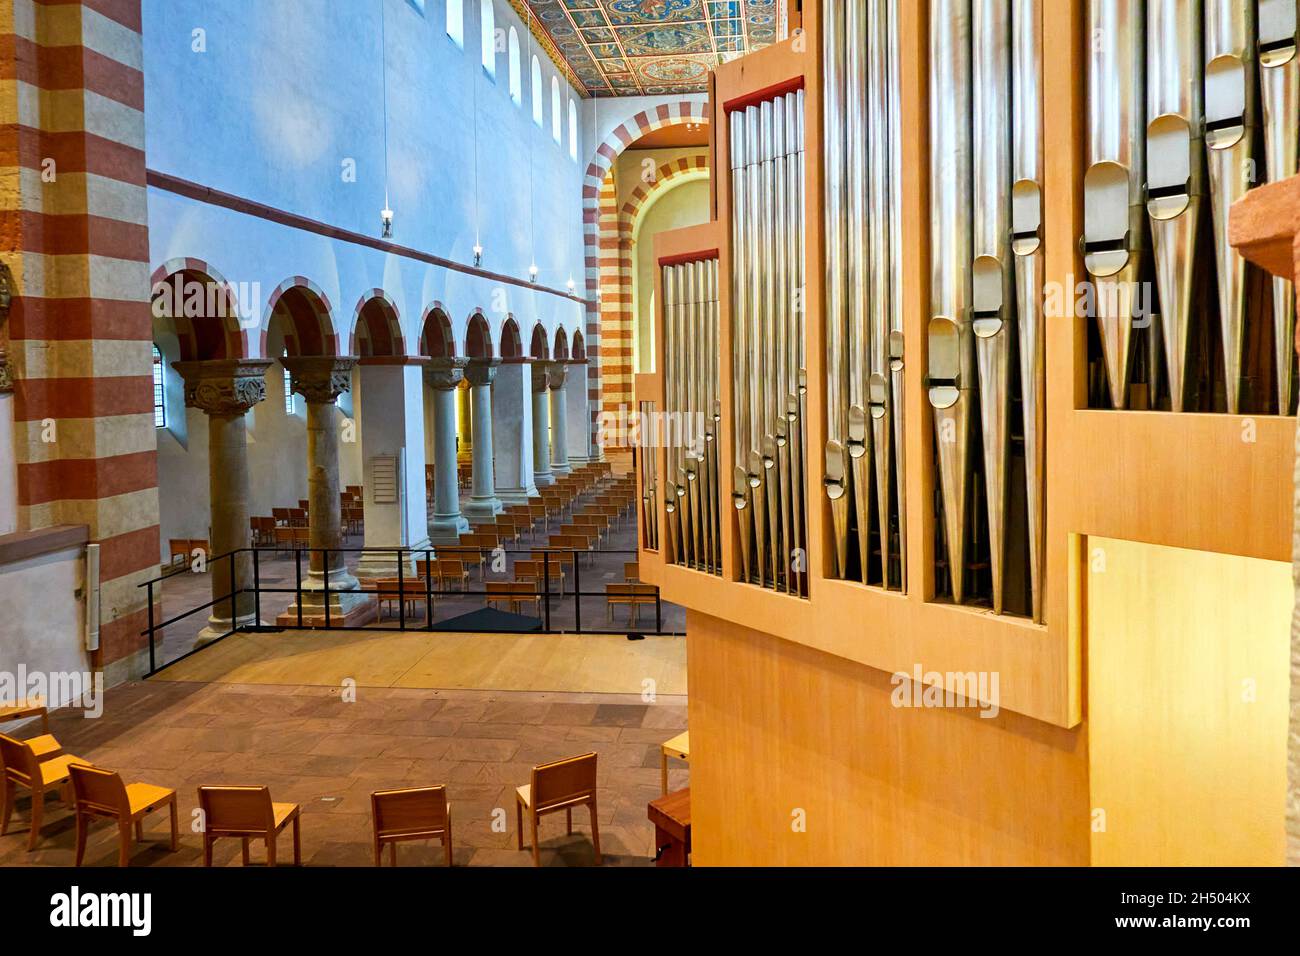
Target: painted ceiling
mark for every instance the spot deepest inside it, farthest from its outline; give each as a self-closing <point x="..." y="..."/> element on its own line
<point x="648" y="47"/>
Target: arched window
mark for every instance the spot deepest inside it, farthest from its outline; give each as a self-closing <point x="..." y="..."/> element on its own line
<point x="573" y="130"/>
<point x="159" y="390"/>
<point x="537" y="92"/>
<point x="456" y="22"/>
<point x="516" y="81"/>
<point x="557" y="124"/>
<point x="488" y="29"/>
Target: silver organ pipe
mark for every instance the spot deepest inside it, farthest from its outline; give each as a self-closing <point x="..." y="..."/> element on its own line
<point x="1027" y="249"/>
<point x="1113" y="239"/>
<point x="951" y="351"/>
<point x="690" y="375"/>
<point x="767" y="339"/>
<point x="1229" y="139"/>
<point x="1279" y="85"/>
<point x="991" y="268"/>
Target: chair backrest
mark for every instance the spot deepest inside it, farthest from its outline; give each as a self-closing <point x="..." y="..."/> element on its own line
<point x="177" y="546"/>
<point x="563" y="780"/>
<point x="528" y="570"/>
<point x="415" y="810"/>
<point x="17" y="759"/>
<point x="280" y="514"/>
<point x="498" y="590"/>
<point x="631" y="571"/>
<point x="236" y="809"/>
<point x="451" y="567"/>
<point x="99" y="791"/>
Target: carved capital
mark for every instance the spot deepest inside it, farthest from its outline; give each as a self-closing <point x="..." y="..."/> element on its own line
<point x="320" y="379"/>
<point x="539" y="375"/>
<point x="442" y="374"/>
<point x="557" y="373"/>
<point x="481" y="371"/>
<point x="224" y="386"/>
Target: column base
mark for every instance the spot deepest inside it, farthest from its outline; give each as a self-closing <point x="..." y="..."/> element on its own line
<point x="383" y="564"/>
<point x="219" y="627"/>
<point x="543" y="479"/>
<point x="348" y="605"/>
<point x="483" y="507"/>
<point x="560" y="468"/>
<point x="516" y="496"/>
<point x="447" y="529"/>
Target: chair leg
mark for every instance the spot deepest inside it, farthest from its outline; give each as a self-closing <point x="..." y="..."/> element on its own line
<point x="38" y="812"/>
<point x="568" y="821"/>
<point x="392" y="853"/>
<point x="82" y="826"/>
<point x="7" y="797"/>
<point x="176" y="832"/>
<point x="519" y="822"/>
<point x="124" y="843"/>
<point x="270" y="850"/>
<point x="595" y="830"/>
<point x="207" y="850"/>
<point x="297" y="843"/>
<point x="245" y="841"/>
<point x="446" y="844"/>
<point x="537" y="852"/>
<point x="139" y="830"/>
<point x="379" y="853"/>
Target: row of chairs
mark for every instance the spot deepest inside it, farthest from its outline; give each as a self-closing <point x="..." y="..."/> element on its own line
<point x="248" y="813"/>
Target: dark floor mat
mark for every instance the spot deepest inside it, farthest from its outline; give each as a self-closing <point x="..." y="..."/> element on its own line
<point x="490" y="620"/>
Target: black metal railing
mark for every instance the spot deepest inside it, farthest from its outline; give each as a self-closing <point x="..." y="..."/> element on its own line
<point x="553" y="608"/>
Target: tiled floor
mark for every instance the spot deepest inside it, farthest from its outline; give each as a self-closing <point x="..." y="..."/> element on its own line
<point x="312" y="748"/>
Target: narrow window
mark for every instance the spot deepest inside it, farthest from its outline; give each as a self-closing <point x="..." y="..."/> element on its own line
<point x="488" y="38"/>
<point x="456" y="22"/>
<point x="557" y="124"/>
<point x="159" y="390"/>
<point x="573" y="130"/>
<point x="537" y="92"/>
<point x="516" y="81"/>
<point x="288" y="387"/>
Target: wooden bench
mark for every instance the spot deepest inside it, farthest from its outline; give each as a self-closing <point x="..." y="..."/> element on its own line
<point x="515" y="594"/>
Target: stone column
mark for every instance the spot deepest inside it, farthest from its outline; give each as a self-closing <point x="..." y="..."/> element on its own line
<point x="512" y="432"/>
<point x="483" y="501"/>
<point x="541" y="428"/>
<point x="557" y="374"/>
<point x="224" y="390"/>
<point x="444" y="376"/>
<point x="578" y="413"/>
<point x="321" y="380"/>
<point x="391" y="415"/>
<point x="464" y="425"/>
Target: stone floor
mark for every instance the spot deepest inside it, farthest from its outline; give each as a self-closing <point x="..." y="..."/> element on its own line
<point x="186" y="590"/>
<point x="312" y="748"/>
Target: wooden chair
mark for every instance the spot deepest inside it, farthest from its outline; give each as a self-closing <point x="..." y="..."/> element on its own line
<point x="298" y="517"/>
<point x="421" y="813"/>
<point x="410" y="591"/>
<point x="632" y="572"/>
<point x="246" y="813"/>
<point x="101" y="793"/>
<point x="514" y="594"/>
<point x="44" y="746"/>
<point x="635" y="596"/>
<point x="281" y="516"/>
<point x="178" y="551"/>
<point x="534" y="570"/>
<point x="20" y="766"/>
<point x="561" y="785"/>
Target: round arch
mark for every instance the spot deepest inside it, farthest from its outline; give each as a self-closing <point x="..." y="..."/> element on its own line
<point x="436" y="337"/>
<point x="478" y="336"/>
<point x="561" y="353"/>
<point x="540" y="346"/>
<point x="307" y="315"/>
<point x="203" y="308"/>
<point x="377" y="326"/>
<point x="512" y="346"/>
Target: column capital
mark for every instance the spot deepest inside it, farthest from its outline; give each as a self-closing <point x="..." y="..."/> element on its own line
<point x="224" y="386"/>
<point x="444" y="374"/>
<point x="481" y="371"/>
<point x="556" y="375"/>
<point x="320" y="378"/>
<point x="539" y="374"/>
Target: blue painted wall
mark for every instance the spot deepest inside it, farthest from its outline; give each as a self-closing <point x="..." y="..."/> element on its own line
<point x="285" y="92"/>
